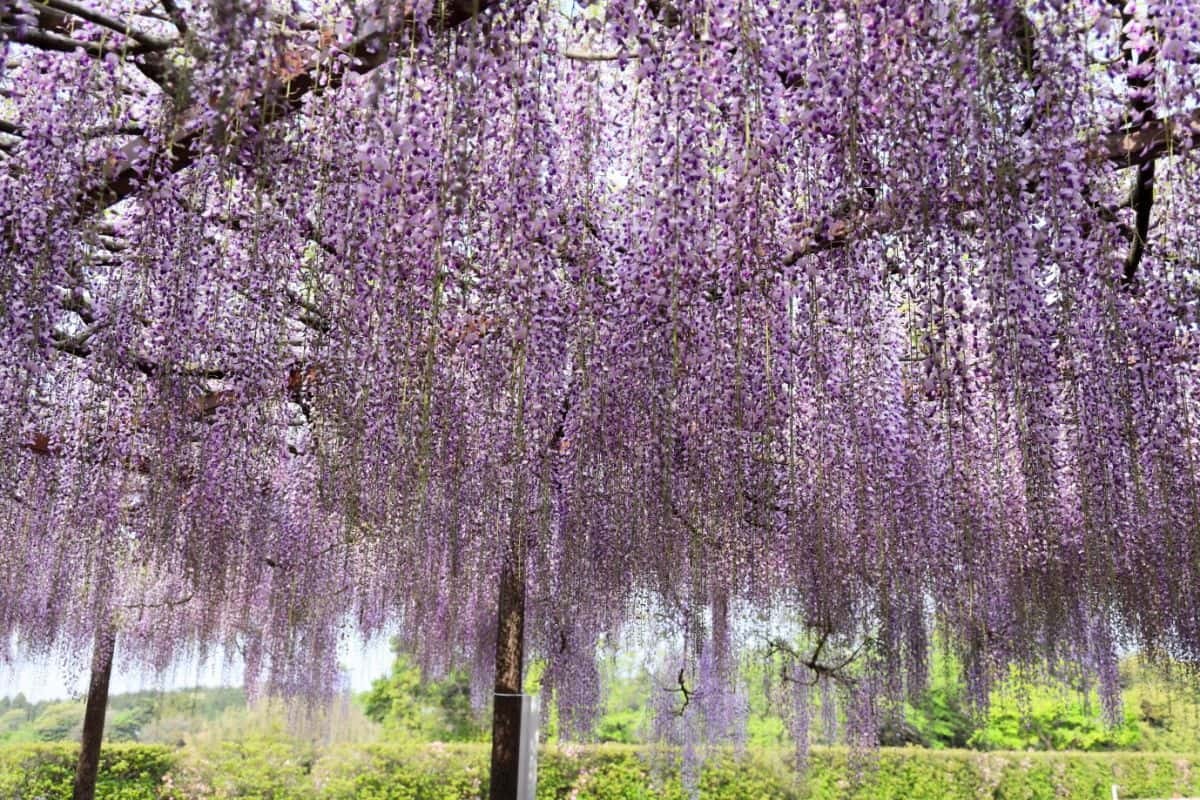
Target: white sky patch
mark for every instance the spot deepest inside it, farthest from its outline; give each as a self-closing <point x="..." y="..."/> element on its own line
<point x="49" y="679"/>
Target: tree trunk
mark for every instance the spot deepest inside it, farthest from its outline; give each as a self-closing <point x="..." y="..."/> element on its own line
<point x="93" y="716"/>
<point x="506" y="711"/>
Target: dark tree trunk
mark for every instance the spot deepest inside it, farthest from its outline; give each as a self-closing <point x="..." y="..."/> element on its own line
<point x="506" y="712"/>
<point x="93" y="716"/>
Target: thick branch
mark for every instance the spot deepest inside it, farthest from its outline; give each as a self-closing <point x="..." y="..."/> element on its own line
<point x="814" y="663"/>
<point x="1139" y="71"/>
<point x="589" y="55"/>
<point x="76" y="344"/>
<point x="125" y="169"/>
<point x="558" y="443"/>
<point x="166" y="603"/>
<point x="312" y="315"/>
<point x="1137" y="147"/>
<point x="12" y="135"/>
<point x="54" y="42"/>
<point x="1149" y="140"/>
<point x="298" y="384"/>
<point x="177" y="18"/>
<point x="55" y="27"/>
<point x="105" y="21"/>
<point x="1143" y="202"/>
<point x="685" y="691"/>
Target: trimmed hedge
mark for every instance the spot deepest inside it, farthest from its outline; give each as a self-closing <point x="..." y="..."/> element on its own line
<point x="615" y="772"/>
<point x="608" y="772"/>
<point x="47" y="771"/>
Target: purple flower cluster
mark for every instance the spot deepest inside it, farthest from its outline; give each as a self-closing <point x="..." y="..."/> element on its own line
<point x="842" y="314"/>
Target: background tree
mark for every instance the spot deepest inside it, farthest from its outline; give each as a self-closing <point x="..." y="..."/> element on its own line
<point x="409" y="705"/>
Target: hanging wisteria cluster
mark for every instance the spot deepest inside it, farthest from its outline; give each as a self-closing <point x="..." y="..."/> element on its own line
<point x="870" y="319"/>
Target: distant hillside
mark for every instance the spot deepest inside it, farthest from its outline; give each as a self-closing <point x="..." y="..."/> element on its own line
<point x="136" y="716"/>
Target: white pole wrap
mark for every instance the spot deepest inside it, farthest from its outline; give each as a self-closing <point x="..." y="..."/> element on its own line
<point x="527" y="757"/>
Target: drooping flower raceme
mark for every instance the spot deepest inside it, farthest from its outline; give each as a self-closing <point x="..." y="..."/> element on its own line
<point x="866" y="318"/>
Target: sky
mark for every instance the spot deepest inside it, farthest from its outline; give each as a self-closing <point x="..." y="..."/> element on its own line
<point x="59" y="677"/>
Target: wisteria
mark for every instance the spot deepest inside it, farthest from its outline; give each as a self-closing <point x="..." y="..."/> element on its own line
<point x="877" y="319"/>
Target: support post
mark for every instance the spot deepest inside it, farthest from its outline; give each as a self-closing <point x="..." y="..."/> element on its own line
<point x="93" y="715"/>
<point x="506" y="711"/>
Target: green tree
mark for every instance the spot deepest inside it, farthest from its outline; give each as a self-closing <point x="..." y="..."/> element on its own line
<point x="941" y="716"/>
<point x="625" y="718"/>
<point x="58" y="721"/>
<point x="436" y="710"/>
<point x="1046" y="718"/>
<point x="126" y="725"/>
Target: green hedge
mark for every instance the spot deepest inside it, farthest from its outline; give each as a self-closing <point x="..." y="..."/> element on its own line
<point x="609" y="772"/>
<point x="47" y="771"/>
<point x="614" y="772"/>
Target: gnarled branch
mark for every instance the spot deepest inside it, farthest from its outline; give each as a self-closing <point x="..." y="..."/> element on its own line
<point x="125" y="170"/>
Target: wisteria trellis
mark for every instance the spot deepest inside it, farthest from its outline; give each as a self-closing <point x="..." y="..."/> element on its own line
<point x="879" y="315"/>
